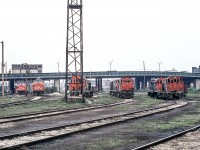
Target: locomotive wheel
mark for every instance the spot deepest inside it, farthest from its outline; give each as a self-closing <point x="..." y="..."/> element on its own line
<point x="132" y="95"/>
<point x="91" y="94"/>
<point x="118" y="95"/>
<point x="166" y="97"/>
<point x="180" y="95"/>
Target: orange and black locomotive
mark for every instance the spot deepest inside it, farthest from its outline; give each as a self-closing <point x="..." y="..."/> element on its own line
<point x="123" y="87"/>
<point x="77" y="84"/>
<point x="172" y="87"/>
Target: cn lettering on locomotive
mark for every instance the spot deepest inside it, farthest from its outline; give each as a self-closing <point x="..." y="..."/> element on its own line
<point x="21" y="88"/>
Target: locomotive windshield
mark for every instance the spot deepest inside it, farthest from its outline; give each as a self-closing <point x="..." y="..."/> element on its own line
<point x="174" y="80"/>
<point x="126" y="81"/>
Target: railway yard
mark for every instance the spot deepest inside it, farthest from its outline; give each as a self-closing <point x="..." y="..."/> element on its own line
<point x="43" y="108"/>
<point x="103" y="122"/>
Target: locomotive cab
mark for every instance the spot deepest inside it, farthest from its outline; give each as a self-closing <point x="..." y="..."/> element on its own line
<point x="80" y="86"/>
<point x="152" y="88"/>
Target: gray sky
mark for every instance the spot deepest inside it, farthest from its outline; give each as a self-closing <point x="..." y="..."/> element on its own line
<point x="127" y="32"/>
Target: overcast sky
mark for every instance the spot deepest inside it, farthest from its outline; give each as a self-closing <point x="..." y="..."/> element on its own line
<point x="127" y="32"/>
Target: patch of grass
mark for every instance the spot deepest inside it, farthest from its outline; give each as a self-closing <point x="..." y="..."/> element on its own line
<point x="52" y="103"/>
<point x="177" y="122"/>
<point x="192" y="95"/>
<point x="37" y="106"/>
<point x="193" y="91"/>
<point x="8" y="99"/>
<point x="106" y="100"/>
<point x="107" y="143"/>
<point x="143" y="102"/>
<point x="149" y="102"/>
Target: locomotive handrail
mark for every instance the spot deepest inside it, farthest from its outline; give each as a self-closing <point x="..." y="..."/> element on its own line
<point x="100" y="74"/>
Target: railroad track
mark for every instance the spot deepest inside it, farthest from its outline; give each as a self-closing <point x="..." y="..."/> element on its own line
<point x="15" y="103"/>
<point x="55" y="112"/>
<point x="36" y="136"/>
<point x="163" y="140"/>
<point x="3" y="105"/>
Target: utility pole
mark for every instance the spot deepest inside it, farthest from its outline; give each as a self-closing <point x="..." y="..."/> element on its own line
<point x="144" y="75"/>
<point x="26" y="79"/>
<point x="90" y="76"/>
<point x="2" y="43"/>
<point x="74" y="44"/>
<point x="58" y="77"/>
<point x="6" y="76"/>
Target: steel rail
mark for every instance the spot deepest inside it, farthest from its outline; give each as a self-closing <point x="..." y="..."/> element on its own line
<point x="157" y="142"/>
<point x="116" y="119"/>
<point x="55" y="112"/>
<point x="3" y="105"/>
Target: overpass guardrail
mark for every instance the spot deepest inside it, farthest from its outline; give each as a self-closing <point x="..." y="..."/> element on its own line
<point x="98" y="74"/>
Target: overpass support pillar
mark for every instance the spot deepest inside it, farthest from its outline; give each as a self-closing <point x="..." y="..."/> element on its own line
<point x="147" y="85"/>
<point x="11" y="86"/>
<point x="137" y="84"/>
<point x="99" y="83"/>
<point x="57" y="84"/>
<point x="196" y="84"/>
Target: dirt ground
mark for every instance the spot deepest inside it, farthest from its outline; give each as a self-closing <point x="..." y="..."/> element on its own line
<point x="122" y="136"/>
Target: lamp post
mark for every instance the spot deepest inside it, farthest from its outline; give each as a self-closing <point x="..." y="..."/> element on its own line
<point x="2" y="43"/>
<point x="6" y="76"/>
<point x="26" y="79"/>
<point x="110" y="64"/>
<point x="90" y="76"/>
<point x="58" y="77"/>
<point x="159" y="63"/>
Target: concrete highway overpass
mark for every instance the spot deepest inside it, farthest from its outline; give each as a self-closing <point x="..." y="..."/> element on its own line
<point x="100" y="75"/>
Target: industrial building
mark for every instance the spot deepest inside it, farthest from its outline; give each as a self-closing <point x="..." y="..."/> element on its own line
<point x="195" y="70"/>
<point x="31" y="68"/>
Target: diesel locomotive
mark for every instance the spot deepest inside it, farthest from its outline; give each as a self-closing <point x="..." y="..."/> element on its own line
<point x="76" y="84"/>
<point x="172" y="87"/>
<point x="123" y="87"/>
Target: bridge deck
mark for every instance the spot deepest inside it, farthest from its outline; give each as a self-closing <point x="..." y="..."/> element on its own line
<point x="100" y="74"/>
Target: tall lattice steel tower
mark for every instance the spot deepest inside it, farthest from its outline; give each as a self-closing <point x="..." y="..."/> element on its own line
<point x="74" y="46"/>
